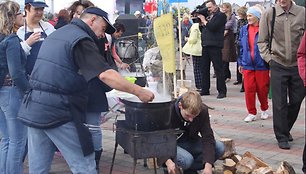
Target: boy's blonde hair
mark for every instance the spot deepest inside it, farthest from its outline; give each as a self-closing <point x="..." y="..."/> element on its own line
<point x="191" y="101"/>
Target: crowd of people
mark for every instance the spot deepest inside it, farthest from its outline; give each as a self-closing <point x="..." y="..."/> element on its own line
<point x="55" y="75"/>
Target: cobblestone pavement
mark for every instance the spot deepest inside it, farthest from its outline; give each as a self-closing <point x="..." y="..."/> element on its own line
<point x="227" y="121"/>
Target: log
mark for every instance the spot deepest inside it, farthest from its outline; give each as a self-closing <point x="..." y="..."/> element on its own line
<point x="263" y="170"/>
<point x="230" y="165"/>
<point x="236" y="158"/>
<point x="246" y="165"/>
<point x="229" y="148"/>
<point x="259" y="162"/>
<point x="227" y="172"/>
<point x="285" y="168"/>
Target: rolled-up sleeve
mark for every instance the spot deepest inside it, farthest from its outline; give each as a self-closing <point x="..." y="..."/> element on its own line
<point x="89" y="60"/>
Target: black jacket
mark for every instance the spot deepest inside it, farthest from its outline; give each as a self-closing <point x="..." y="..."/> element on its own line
<point x="199" y="125"/>
<point x="213" y="31"/>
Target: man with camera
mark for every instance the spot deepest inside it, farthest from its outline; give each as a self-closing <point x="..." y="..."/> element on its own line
<point x="212" y="28"/>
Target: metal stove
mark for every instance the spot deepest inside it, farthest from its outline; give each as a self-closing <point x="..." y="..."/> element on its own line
<point x="142" y="145"/>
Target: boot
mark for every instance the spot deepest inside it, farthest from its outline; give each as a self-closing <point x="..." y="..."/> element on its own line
<point x="97" y="159"/>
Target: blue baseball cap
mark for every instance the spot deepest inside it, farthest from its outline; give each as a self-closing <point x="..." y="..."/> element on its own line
<point x="36" y="3"/>
<point x="97" y="11"/>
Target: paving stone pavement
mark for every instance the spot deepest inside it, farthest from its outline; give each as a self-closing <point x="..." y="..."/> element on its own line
<point x="227" y="121"/>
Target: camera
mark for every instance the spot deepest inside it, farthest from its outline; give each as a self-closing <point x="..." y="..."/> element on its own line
<point x="203" y="11"/>
<point x="200" y="9"/>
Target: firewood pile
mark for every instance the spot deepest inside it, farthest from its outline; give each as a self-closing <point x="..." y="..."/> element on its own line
<point x="248" y="163"/>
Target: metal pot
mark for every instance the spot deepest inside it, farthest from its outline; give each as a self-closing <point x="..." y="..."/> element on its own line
<point x="148" y="116"/>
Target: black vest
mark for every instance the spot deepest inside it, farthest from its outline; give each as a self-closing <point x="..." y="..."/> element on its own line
<point x="59" y="92"/>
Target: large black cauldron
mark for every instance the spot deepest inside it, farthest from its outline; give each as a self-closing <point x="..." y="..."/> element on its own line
<point x="148" y="116"/>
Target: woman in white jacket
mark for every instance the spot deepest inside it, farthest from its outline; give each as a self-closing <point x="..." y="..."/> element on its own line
<point x="193" y="47"/>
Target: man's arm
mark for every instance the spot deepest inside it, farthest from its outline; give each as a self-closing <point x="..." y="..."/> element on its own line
<point x="113" y="79"/>
<point x="92" y="64"/>
<point x="216" y="22"/>
<point x="263" y="36"/>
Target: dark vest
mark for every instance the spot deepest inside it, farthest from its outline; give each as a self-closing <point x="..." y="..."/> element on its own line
<point x="49" y="103"/>
<point x="59" y="91"/>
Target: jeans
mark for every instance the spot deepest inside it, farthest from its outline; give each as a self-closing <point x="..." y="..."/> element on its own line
<point x="93" y="118"/>
<point x="42" y="144"/>
<point x="13" y="132"/>
<point x="189" y="154"/>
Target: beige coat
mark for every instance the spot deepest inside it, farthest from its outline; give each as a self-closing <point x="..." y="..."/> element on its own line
<point x="193" y="45"/>
<point x="288" y="31"/>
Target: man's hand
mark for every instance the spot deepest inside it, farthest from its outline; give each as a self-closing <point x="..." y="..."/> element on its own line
<point x="207" y="169"/>
<point x="124" y="65"/>
<point x="145" y="95"/>
<point x="203" y="19"/>
<point x="171" y="166"/>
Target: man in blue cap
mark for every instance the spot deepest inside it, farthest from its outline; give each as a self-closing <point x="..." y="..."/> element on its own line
<point x="55" y="108"/>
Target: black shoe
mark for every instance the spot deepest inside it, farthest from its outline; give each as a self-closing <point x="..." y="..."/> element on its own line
<point x="221" y="96"/>
<point x="204" y="93"/>
<point x="199" y="90"/>
<point x="242" y="90"/>
<point x="290" y="137"/>
<point x="237" y="83"/>
<point x="284" y="145"/>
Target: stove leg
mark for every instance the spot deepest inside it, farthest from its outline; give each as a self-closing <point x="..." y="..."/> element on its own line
<point x="135" y="162"/>
<point x="113" y="160"/>
<point x="154" y="161"/>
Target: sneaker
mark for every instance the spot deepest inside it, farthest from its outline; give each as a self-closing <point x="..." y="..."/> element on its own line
<point x="250" y="118"/>
<point x="264" y="115"/>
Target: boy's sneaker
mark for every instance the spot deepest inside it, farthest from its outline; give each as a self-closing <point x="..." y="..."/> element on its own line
<point x="250" y="118"/>
<point x="264" y="115"/>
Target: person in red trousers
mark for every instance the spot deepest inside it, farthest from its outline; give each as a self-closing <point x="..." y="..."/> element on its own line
<point x="301" y="60"/>
<point x="255" y="70"/>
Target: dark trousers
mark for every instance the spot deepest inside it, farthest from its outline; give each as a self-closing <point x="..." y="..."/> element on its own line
<point x="238" y="74"/>
<point x="226" y="70"/>
<point x="285" y="82"/>
<point x="214" y="55"/>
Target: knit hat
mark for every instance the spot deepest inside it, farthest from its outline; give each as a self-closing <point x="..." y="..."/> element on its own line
<point x="254" y="11"/>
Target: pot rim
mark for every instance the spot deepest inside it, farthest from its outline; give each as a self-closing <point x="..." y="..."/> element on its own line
<point x="128" y="102"/>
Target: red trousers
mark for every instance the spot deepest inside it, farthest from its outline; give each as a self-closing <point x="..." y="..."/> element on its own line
<point x="256" y="82"/>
